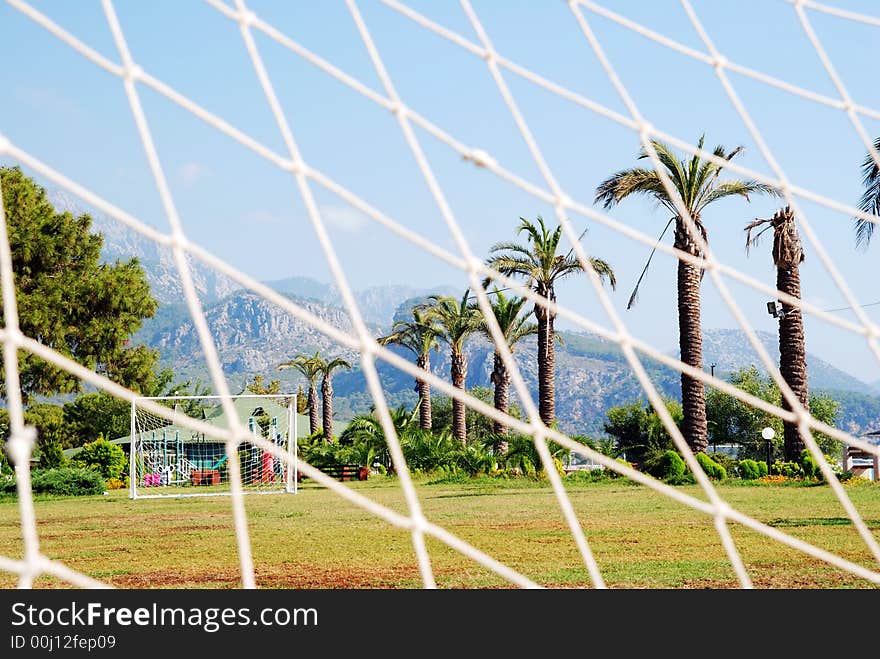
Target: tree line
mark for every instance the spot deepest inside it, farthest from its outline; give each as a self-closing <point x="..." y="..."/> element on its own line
<point x="88" y="310"/>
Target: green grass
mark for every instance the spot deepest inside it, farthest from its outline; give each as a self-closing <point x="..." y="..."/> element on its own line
<point x="316" y="540"/>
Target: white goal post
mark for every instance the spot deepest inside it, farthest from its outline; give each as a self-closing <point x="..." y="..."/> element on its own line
<point x="169" y="459"/>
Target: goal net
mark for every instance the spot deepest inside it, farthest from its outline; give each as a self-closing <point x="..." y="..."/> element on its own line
<point x="168" y="459"/>
<point x="171" y="449"/>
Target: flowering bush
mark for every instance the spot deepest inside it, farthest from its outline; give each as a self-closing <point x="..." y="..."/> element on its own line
<point x="773" y="478"/>
<point x="788" y="469"/>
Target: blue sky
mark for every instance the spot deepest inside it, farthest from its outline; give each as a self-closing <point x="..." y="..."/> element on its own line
<point x="74" y="116"/>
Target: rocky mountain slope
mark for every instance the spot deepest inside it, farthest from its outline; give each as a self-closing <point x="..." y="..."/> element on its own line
<point x="253" y="336"/>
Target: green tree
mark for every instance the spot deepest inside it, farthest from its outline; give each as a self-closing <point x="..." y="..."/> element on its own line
<point x="697" y="185"/>
<point x="514" y="328"/>
<point x="732" y="421"/>
<point x="96" y="414"/>
<point x="419" y="336"/>
<point x="5" y="465"/>
<point x="258" y="386"/>
<point x="100" y="413"/>
<point x="539" y="264"/>
<point x="456" y="321"/>
<point x="638" y="431"/>
<point x="102" y="456"/>
<point x="479" y="427"/>
<point x="48" y="419"/>
<point x="67" y="298"/>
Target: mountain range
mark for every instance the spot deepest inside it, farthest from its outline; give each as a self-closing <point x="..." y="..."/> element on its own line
<point x="253" y="336"/>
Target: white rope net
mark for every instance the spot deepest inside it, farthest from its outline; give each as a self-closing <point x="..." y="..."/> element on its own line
<point x="549" y="190"/>
<point x="168" y="460"/>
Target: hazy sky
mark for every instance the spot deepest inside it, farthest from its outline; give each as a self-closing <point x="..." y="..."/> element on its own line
<point x="73" y="115"/>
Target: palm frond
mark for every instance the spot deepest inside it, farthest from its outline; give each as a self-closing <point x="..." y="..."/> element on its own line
<point x="870" y="200"/>
<point x="333" y="364"/>
<point x="605" y="271"/>
<point x="737" y="188"/>
<point x="752" y="240"/>
<point x="509" y="246"/>
<point x="692" y="173"/>
<point x="674" y="167"/>
<point x="709" y="171"/>
<point x="628" y="182"/>
<point x="864" y="231"/>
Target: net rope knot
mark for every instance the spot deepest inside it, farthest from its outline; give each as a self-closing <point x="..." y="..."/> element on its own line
<point x="133" y="72"/>
<point x="247" y="18"/>
<point x="21" y="444"/>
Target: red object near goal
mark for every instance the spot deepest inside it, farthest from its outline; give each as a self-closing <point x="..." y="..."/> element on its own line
<point x="268" y="475"/>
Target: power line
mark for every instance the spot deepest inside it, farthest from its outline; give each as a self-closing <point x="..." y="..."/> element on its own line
<point x="869" y="304"/>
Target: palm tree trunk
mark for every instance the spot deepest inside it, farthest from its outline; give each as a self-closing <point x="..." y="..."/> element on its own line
<point x="424" y="389"/>
<point x="459" y="372"/>
<point x="327" y="401"/>
<point x="501" y="380"/>
<point x="690" y="339"/>
<point x="792" y="356"/>
<point x="313" y="408"/>
<point x="546" y="366"/>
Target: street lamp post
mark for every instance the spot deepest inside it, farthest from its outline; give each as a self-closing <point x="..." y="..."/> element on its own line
<point x="768" y="434"/>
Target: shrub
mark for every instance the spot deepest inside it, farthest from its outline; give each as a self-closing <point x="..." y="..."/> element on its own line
<point x="730" y="465"/>
<point x="787" y="469"/>
<point x="7" y="484"/>
<point x="589" y="475"/>
<point x="713" y="470"/>
<point x="750" y="470"/>
<point x="67" y="481"/>
<point x="115" y="484"/>
<point x="809" y="465"/>
<point x="773" y="478"/>
<point x="762" y="468"/>
<point x="51" y="455"/>
<point x="666" y="466"/>
<point x="103" y="457"/>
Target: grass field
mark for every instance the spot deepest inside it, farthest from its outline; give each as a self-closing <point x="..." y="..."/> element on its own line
<point x="316" y="540"/>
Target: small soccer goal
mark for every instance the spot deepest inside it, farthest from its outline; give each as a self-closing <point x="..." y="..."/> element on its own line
<point x="169" y="459"/>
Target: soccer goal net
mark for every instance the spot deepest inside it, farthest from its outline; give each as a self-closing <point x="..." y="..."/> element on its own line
<point x="168" y="459"/>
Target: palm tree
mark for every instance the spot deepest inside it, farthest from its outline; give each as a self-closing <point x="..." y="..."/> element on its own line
<point x="697" y="185"/>
<point x="787" y="257"/>
<point x="310" y="367"/>
<point x="541" y="267"/>
<point x="514" y="327"/>
<point x="456" y="320"/>
<point x="419" y="336"/>
<point x="367" y="436"/>
<point x="870" y="201"/>
<point x="327" y="369"/>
